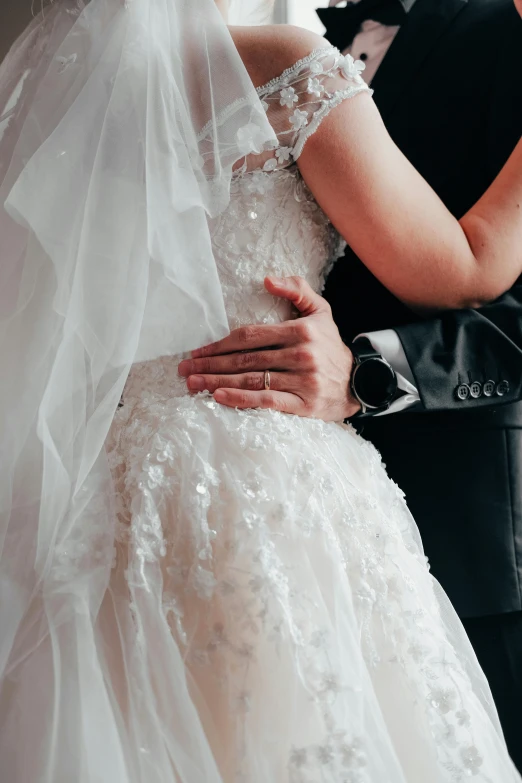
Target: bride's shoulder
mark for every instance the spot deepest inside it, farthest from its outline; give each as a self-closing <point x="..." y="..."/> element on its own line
<point x="267" y="51"/>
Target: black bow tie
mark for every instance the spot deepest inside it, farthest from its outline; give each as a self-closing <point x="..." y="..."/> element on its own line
<point x="343" y="24"/>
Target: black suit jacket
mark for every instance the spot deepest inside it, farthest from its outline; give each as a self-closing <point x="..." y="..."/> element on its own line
<point x="450" y="92"/>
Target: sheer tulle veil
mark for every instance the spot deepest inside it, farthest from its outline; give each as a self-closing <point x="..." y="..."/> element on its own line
<point x="120" y="123"/>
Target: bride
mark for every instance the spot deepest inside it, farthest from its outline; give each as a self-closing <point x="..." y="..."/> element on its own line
<point x="189" y="593"/>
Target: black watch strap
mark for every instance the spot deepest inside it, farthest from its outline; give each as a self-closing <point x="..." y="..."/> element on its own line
<point x="362" y="349"/>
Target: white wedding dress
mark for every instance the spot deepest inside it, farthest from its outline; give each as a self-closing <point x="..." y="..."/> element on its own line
<point x="270" y="617"/>
<point x="270" y="556"/>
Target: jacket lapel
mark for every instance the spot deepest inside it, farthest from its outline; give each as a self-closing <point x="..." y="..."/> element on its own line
<point x="425" y="24"/>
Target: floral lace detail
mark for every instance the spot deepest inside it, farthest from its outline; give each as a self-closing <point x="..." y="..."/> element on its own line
<point x="298" y="101"/>
<point x="273" y="226"/>
<point x="237" y="602"/>
<point x="310" y="89"/>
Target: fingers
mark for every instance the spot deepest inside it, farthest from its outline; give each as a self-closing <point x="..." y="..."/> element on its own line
<point x="250" y="381"/>
<point x="277" y="401"/>
<point x="299" y="292"/>
<point x="237" y="363"/>
<point x="249" y="338"/>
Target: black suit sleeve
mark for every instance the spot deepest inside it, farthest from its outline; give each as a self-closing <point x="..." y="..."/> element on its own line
<point x="464" y="346"/>
<point x="486" y="344"/>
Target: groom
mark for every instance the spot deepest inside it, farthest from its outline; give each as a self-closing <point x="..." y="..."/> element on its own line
<point x="447" y="76"/>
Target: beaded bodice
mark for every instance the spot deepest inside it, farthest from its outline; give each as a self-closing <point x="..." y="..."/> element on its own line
<point x="273" y="225"/>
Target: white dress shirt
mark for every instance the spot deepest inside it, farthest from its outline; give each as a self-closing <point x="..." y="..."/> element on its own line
<point x="370" y="45"/>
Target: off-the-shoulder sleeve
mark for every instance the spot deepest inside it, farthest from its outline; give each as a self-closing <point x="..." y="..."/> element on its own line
<point x="298" y="101"/>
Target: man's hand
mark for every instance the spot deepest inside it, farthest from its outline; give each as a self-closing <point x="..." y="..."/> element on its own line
<point x="309" y="364"/>
<point x="518" y="6"/>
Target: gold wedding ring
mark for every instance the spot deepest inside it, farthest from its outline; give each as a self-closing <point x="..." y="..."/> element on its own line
<point x="267" y="381"/>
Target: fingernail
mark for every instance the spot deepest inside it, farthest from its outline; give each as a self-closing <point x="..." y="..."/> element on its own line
<point x="196" y="383"/>
<point x="220" y="395"/>
<point x="184" y="368"/>
<point x="276" y="280"/>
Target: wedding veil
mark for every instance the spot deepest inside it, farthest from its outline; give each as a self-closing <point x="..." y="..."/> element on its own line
<point x="120" y="124"/>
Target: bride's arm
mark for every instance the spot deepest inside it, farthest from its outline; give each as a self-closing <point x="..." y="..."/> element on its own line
<point x="384" y="209"/>
<point x="399" y="227"/>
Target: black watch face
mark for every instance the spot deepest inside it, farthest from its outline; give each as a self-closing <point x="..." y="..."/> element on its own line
<point x="375" y="383"/>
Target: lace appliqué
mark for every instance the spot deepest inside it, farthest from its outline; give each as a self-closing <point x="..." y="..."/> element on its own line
<point x="298" y="101"/>
<point x="220" y="540"/>
<point x="310" y="89"/>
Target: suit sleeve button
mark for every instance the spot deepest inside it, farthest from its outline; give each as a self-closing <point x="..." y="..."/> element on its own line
<point x="462" y="391"/>
<point x="475" y="390"/>
<point x="489" y="389"/>
<point x="502" y="388"/>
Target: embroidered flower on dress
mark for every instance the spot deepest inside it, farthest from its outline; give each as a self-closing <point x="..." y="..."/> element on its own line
<point x="350" y="68"/>
<point x="250" y="138"/>
<point x="259" y="182"/>
<point x="325" y="754"/>
<point x="288" y="97"/>
<point x="316" y="67"/>
<point x="298" y="119"/>
<point x="463" y="718"/>
<point x="283" y="154"/>
<point x="156" y="476"/>
<point x="353" y="755"/>
<point x="471" y="759"/>
<point x="315" y="87"/>
<point x="443" y="699"/>
<point x="204" y="583"/>
<point x="299" y="757"/>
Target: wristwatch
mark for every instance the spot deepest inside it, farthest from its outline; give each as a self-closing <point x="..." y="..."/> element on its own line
<point x="373" y="381"/>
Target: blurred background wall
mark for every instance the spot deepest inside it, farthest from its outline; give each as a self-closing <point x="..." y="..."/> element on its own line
<point x="15" y="15"/>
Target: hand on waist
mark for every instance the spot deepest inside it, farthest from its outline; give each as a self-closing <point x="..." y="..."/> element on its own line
<point x="300" y="367"/>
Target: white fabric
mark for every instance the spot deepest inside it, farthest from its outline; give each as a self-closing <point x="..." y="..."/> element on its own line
<point x="388" y="344"/>
<point x="263" y="611"/>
